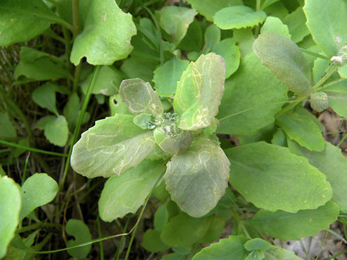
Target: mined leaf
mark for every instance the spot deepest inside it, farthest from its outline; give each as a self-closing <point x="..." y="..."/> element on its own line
<point x="302" y="130"/>
<point x="7" y="130"/>
<point x="167" y="76"/>
<point x="140" y="97"/>
<point x="152" y="242"/>
<point x="251" y="99"/>
<point x="37" y="190"/>
<point x="237" y="17"/>
<point x="172" y="143"/>
<point x="280" y="253"/>
<point x="183" y="230"/>
<point x="294" y="226"/>
<point x="272" y="178"/>
<point x="126" y="193"/>
<point x="10" y="201"/>
<point x="227" y="248"/>
<point x="230" y="53"/>
<point x="112" y="146"/>
<point x="106" y="35"/>
<point x="284" y="58"/>
<point x="79" y="230"/>
<point x="199" y="92"/>
<point x="212" y="36"/>
<point x="327" y="24"/>
<point x="22" y="20"/>
<point x="208" y="8"/>
<point x="198" y="178"/>
<point x="333" y="164"/>
<point x="39" y="65"/>
<point x="57" y="131"/>
<point x="175" y="21"/>
<point x="296" y="25"/>
<point x="274" y="24"/>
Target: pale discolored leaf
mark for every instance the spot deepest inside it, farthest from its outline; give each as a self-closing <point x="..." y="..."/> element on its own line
<point x="127" y="193"/>
<point x="199" y="92"/>
<point x="198" y="178"/>
<point x="237" y="17"/>
<point x="176" y="20"/>
<point x="177" y="143"/>
<point x="301" y="129"/>
<point x="291" y="185"/>
<point x="112" y="146"/>
<point x="106" y="35"/>
<point x="284" y="58"/>
<point x="285" y="225"/>
<point x="57" y="130"/>
<point x="37" y="190"/>
<point x="10" y="201"/>
<point x="80" y="231"/>
<point x="251" y="99"/>
<point x="227" y="248"/>
<point x="140" y="97"/>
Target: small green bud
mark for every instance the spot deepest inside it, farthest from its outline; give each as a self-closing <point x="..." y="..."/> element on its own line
<point x="319" y="101"/>
<point x="171" y="142"/>
<point x="144" y="121"/>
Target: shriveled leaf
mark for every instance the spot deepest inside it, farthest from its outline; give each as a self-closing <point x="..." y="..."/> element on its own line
<point x="167" y="76"/>
<point x="198" y="178"/>
<point x="7" y="130"/>
<point x="273" y="178"/>
<point x="37" y="65"/>
<point x="175" y="21"/>
<point x="106" y="35"/>
<point x="140" y="97"/>
<point x="57" y="131"/>
<point x="274" y="24"/>
<point x="301" y="129"/>
<point x="183" y="230"/>
<point x="37" y="190"/>
<point x="152" y="242"/>
<point x="126" y="193"/>
<point x="327" y="24"/>
<point x="208" y="8"/>
<point x="230" y="52"/>
<point x="294" y="226"/>
<point x="284" y="58"/>
<point x="112" y="146"/>
<point x="22" y="20"/>
<point x="79" y="230"/>
<point x="237" y="17"/>
<point x="227" y="248"/>
<point x="10" y="201"/>
<point x="199" y="92"/>
<point x="333" y="164"/>
<point x="251" y="99"/>
<point x="296" y="25"/>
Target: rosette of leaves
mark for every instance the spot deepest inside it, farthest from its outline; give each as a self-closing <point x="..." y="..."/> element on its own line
<point x="124" y="147"/>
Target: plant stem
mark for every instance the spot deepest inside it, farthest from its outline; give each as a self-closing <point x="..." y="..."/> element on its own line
<point x="331" y="70"/>
<point x="76" y="18"/>
<point x="100" y="236"/>
<point x="289" y="107"/>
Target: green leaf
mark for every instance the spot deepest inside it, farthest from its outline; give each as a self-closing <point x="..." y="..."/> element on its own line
<point x="327" y="24"/>
<point x="167" y="76"/>
<point x="7" y="130"/>
<point x="199" y="92"/>
<point x="198" y="178"/>
<point x="106" y="35"/>
<point x="135" y="67"/>
<point x="230" y="53"/>
<point x="296" y="25"/>
<point x="212" y="36"/>
<point x="37" y="190"/>
<point x="161" y="217"/>
<point x="244" y="39"/>
<point x="10" y="201"/>
<point x="274" y="24"/>
<point x="57" y="131"/>
<point x="44" y="96"/>
<point x="22" y="20"/>
<point x="214" y="231"/>
<point x="333" y="164"/>
<point x="72" y="110"/>
<point x="237" y="17"/>
<point x="112" y="146"/>
<point x="284" y="58"/>
<point x="251" y="99"/>
<point x="2" y="172"/>
<point x="302" y="130"/>
<point x="257" y="244"/>
<point x="176" y="20"/>
<point x="227" y="248"/>
<point x="272" y="178"/>
<point x="193" y="40"/>
<point x="183" y="230"/>
<point x="208" y="8"/>
<point x="152" y="242"/>
<point x="39" y="65"/>
<point x="338" y="101"/>
<point x="280" y="253"/>
<point x="127" y="193"/>
<point x="77" y="228"/>
<point x="140" y="97"/>
<point x="285" y="226"/>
